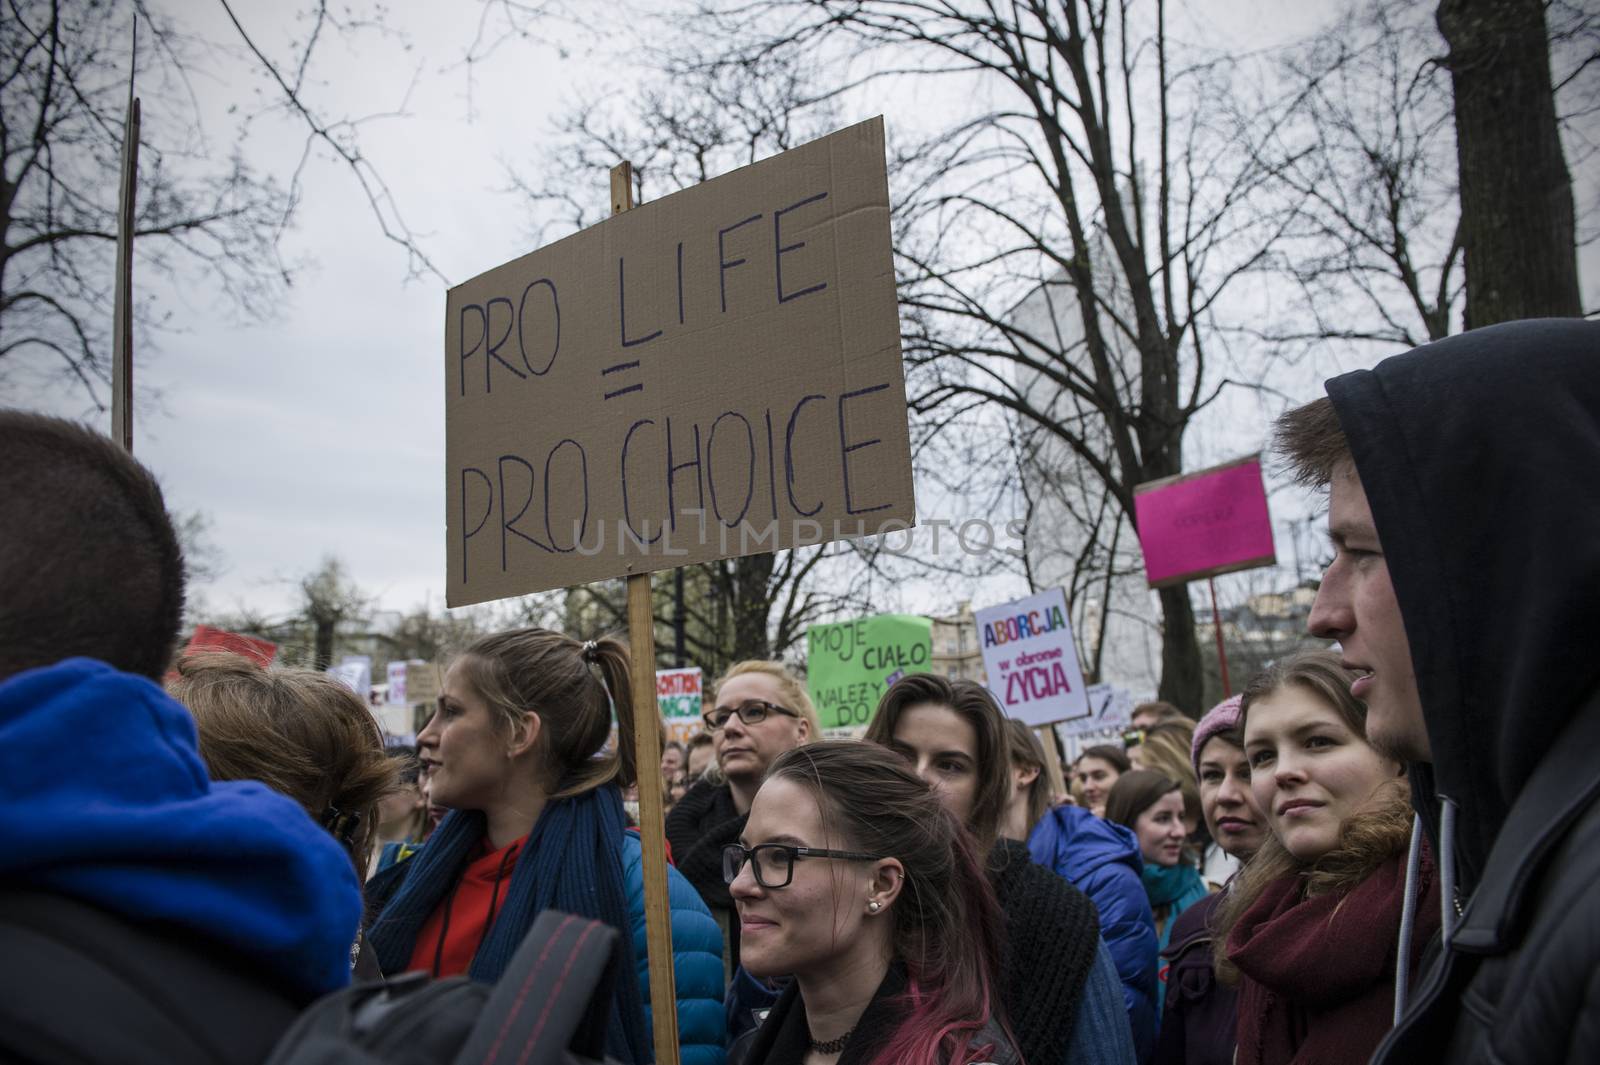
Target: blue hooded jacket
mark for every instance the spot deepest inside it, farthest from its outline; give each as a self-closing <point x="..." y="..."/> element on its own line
<point x="696" y="958"/>
<point x="1102" y="860"/>
<point x="107" y="801"/>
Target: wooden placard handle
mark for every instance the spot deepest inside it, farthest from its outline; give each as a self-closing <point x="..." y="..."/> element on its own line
<point x="647" y="740"/>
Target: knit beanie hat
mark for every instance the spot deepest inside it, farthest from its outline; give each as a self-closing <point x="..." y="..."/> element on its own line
<point x="1220" y="718"/>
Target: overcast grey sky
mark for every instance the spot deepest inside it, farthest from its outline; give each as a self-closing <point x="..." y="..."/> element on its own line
<point x="321" y="431"/>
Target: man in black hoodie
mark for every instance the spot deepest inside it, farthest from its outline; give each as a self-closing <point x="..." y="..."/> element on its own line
<point x="1464" y="511"/>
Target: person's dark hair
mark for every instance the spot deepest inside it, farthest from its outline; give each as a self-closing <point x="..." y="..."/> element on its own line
<point x="1114" y="756"/>
<point x="973" y="702"/>
<point x="673" y="745"/>
<point x="947" y="923"/>
<point x="555" y="676"/>
<point x="89" y="559"/>
<point x="301" y="733"/>
<point x="1311" y="442"/>
<point x="701" y="739"/>
<point x="1136" y="792"/>
<point x="1027" y="750"/>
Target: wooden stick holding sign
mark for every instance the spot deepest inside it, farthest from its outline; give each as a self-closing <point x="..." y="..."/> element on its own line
<point x="647" y="738"/>
<point x="122" y="305"/>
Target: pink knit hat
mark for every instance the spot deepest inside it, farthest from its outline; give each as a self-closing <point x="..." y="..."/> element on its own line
<point x="1220" y="718"/>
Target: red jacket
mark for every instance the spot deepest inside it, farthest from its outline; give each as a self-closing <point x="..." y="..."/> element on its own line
<point x="1317" y="975"/>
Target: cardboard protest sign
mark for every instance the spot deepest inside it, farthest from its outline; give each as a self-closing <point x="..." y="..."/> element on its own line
<point x="424" y="683"/>
<point x="679" y="694"/>
<point x="1031" y="659"/>
<point x="1204" y="523"/>
<point x="713" y="374"/>
<point x="850" y="665"/>
<point x="206" y="638"/>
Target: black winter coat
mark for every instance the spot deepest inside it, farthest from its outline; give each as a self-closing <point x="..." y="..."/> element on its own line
<point x="1480" y="458"/>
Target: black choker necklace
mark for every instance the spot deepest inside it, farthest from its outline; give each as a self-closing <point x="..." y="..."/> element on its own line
<point x="832" y="1046"/>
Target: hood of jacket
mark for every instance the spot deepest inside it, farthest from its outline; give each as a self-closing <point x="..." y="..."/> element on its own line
<point x="1074" y="842"/>
<point x="106" y="800"/>
<point x="1478" y="455"/>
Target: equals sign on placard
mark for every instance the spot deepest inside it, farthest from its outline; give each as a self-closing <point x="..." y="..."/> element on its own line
<point x="619" y="368"/>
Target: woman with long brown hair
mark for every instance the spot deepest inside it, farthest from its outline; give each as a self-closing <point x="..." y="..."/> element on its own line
<point x="1151" y="806"/>
<point x="1057" y="981"/>
<point x="1311" y="925"/>
<point x="304" y="735"/>
<point x="517" y="751"/>
<point x="853" y="878"/>
<point x="300" y="732"/>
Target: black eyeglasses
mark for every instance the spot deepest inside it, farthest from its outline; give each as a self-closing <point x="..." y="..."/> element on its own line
<point x="774" y="862"/>
<point x="751" y="713"/>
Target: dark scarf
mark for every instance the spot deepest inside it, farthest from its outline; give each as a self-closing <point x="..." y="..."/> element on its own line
<point x="1052" y="939"/>
<point x="572" y="862"/>
<point x="1318" y="974"/>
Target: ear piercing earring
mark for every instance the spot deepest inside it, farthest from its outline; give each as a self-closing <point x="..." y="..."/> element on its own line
<point x="874" y="906"/>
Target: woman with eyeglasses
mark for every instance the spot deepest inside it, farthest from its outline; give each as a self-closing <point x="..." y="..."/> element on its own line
<point x="517" y="751"/>
<point x="1057" y="980"/>
<point x="851" y="877"/>
<point x="760" y="711"/>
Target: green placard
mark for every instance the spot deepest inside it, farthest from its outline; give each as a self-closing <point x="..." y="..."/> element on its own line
<point x="849" y="665"/>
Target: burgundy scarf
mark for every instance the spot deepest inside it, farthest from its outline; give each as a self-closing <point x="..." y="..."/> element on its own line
<point x="1317" y="974"/>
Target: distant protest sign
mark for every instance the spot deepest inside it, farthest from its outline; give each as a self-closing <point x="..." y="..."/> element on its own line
<point x="206" y="638"/>
<point x="355" y="672"/>
<point x="850" y="665"/>
<point x="423" y="683"/>
<point x="1203" y="524"/>
<point x="1110" y="709"/>
<point x="397" y="684"/>
<point x="1031" y="659"/>
<point x="679" y="694"/>
<point x="713" y="374"/>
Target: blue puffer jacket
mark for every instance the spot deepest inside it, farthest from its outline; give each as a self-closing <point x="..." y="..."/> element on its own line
<point x="1101" y="859"/>
<point x="696" y="959"/>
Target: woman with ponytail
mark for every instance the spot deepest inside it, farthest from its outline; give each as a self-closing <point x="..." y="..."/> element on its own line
<point x="853" y="878"/>
<point x="517" y="751"/>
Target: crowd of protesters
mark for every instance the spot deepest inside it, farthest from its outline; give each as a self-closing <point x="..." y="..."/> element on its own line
<point x="1380" y="852"/>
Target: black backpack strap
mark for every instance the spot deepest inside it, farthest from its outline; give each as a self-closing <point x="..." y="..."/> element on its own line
<point x="555" y="995"/>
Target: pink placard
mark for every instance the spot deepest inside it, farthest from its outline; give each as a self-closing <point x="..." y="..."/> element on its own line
<point x="1205" y="523"/>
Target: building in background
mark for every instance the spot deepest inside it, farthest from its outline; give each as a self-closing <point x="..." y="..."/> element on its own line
<point x="957" y="654"/>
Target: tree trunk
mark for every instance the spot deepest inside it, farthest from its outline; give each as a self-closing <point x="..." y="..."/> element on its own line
<point x="322" y="653"/>
<point x="1517" y="231"/>
<point x="1182" y="675"/>
<point x="752" y="607"/>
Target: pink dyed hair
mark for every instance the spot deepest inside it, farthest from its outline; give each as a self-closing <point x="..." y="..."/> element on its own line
<point x="947" y="922"/>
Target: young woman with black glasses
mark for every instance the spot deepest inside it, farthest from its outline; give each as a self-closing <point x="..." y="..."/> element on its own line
<point x="851" y="877"/>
